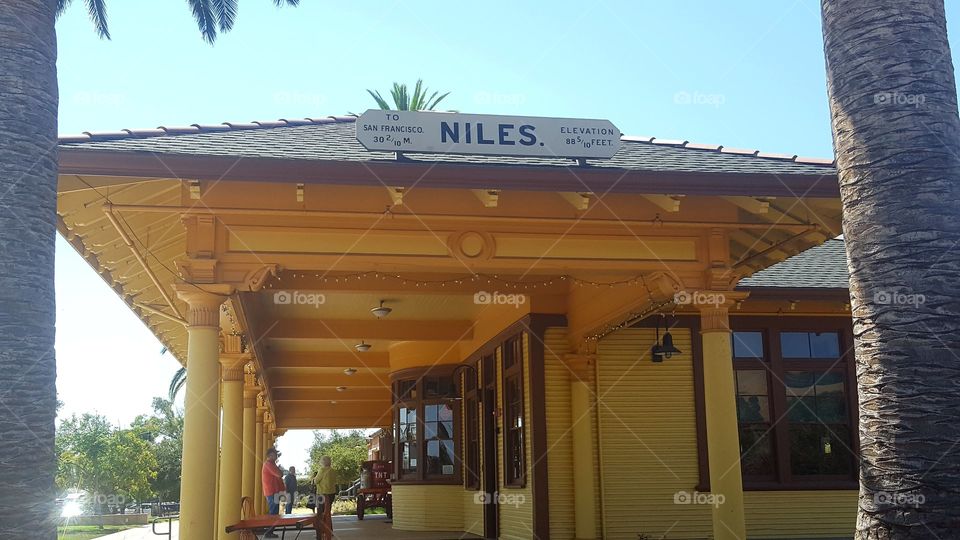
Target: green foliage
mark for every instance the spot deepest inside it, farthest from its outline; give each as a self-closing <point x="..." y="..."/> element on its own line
<point x="404" y="101"/>
<point x="347" y="450"/>
<point x="114" y="465"/>
<point x="164" y="431"/>
<point x="212" y="16"/>
<point x="176" y="383"/>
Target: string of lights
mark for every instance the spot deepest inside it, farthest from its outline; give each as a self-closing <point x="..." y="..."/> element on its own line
<point x="473" y="278"/>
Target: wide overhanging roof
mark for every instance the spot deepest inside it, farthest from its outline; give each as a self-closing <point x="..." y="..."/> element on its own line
<point x="122" y="198"/>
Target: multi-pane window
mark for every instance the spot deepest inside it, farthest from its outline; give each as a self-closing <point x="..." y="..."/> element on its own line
<point x="793" y="405"/>
<point x="425" y="424"/>
<point x="513" y="422"/>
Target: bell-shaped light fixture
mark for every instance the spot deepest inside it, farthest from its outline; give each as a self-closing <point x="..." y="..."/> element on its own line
<point x="665" y="349"/>
<point x="362" y="346"/>
<point x="381" y="311"/>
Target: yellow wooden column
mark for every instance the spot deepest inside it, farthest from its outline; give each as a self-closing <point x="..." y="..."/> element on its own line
<point x="198" y="486"/>
<point x="260" y="449"/>
<point x="232" y="361"/>
<point x="584" y="474"/>
<point x="249" y="459"/>
<point x="720" y="404"/>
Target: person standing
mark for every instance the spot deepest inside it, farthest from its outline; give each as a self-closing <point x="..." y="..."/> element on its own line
<point x="290" y="483"/>
<point x="272" y="479"/>
<point x="326" y="482"/>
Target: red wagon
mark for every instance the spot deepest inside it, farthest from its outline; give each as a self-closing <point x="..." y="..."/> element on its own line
<point x="374" y="489"/>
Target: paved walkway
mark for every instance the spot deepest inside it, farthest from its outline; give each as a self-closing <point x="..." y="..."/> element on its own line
<point x="375" y="527"/>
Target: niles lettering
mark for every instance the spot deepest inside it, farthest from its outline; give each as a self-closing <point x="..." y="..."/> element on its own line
<point x="506" y="134"/>
<point x="527" y="135"/>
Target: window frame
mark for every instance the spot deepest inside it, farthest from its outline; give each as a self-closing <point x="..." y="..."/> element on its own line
<point x="512" y="408"/>
<point x="419" y="403"/>
<point x="774" y="363"/>
<point x="472" y="444"/>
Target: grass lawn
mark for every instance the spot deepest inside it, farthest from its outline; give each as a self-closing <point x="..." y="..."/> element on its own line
<point x="86" y="532"/>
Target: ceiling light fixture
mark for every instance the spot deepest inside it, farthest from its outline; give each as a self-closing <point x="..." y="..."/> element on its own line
<point x="349" y="371"/>
<point x="381" y="312"/>
<point x="362" y="347"/>
<point x="341" y="389"/>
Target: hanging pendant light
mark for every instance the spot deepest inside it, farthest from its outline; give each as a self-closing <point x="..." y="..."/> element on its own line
<point x="666" y="349"/>
<point x="381" y="312"/>
<point x="362" y="346"/>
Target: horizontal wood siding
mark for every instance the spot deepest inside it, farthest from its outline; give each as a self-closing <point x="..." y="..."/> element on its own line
<point x="428" y="508"/>
<point x="648" y="438"/>
<point x="516" y="520"/>
<point x="559" y="436"/>
<point x="800" y="514"/>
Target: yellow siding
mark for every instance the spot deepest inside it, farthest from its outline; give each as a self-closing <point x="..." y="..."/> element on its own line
<point x="648" y="438"/>
<point x="428" y="508"/>
<point x="559" y="436"/>
<point x="516" y="520"/>
<point x="472" y="512"/>
<point x="800" y="514"/>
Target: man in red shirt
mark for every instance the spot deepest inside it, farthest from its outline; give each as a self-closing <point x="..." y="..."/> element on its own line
<point x="272" y="479"/>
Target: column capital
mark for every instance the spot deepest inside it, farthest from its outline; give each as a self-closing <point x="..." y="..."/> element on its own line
<point x="203" y="302"/>
<point x="231" y="366"/>
<point x="581" y="366"/>
<point x="715" y="312"/>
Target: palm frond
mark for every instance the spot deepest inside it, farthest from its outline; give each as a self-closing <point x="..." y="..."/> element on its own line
<point x="226" y="12"/>
<point x="434" y="102"/>
<point x="279" y="3"/>
<point x="400" y="98"/>
<point x="176" y="383"/>
<point x="382" y="103"/>
<point x="97" y="10"/>
<point x="206" y="20"/>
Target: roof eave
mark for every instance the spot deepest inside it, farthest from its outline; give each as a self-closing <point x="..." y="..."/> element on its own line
<point x="408" y="173"/>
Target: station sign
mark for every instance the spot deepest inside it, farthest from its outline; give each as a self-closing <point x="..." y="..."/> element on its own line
<point x="488" y="135"/>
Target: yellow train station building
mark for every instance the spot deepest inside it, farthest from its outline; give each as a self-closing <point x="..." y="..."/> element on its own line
<point x="652" y="345"/>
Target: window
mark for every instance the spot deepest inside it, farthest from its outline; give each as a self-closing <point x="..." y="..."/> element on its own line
<point x="793" y="405"/>
<point x="425" y="428"/>
<point x="513" y="423"/>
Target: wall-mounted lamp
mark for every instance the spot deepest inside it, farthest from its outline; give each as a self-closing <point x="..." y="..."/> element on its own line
<point x="666" y="349"/>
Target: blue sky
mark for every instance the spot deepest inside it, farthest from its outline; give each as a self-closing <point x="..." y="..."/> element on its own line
<point x="746" y="74"/>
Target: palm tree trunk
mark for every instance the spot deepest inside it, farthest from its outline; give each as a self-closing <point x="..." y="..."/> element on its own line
<point x="893" y="103"/>
<point x="28" y="181"/>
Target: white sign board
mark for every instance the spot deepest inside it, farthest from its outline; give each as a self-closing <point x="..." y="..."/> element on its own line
<point x="489" y="135"/>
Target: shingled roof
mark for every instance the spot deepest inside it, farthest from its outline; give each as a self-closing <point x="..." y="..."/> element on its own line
<point x="333" y="139"/>
<point x="820" y="267"/>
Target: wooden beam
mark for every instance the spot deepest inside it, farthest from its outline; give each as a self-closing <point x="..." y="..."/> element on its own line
<point x="327" y="359"/>
<point x="579" y="200"/>
<point x="331" y="394"/>
<point x="285" y="379"/>
<point x="292" y="414"/>
<point x="750" y="204"/>
<point x="392" y="330"/>
<point x="489" y="197"/>
<point x="669" y="203"/>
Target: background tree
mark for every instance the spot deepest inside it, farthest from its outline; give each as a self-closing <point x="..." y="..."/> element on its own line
<point x="28" y="174"/>
<point x="114" y="466"/>
<point x="347" y="449"/>
<point x="893" y="105"/>
<point x="405" y="101"/>
<point x="164" y="431"/>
